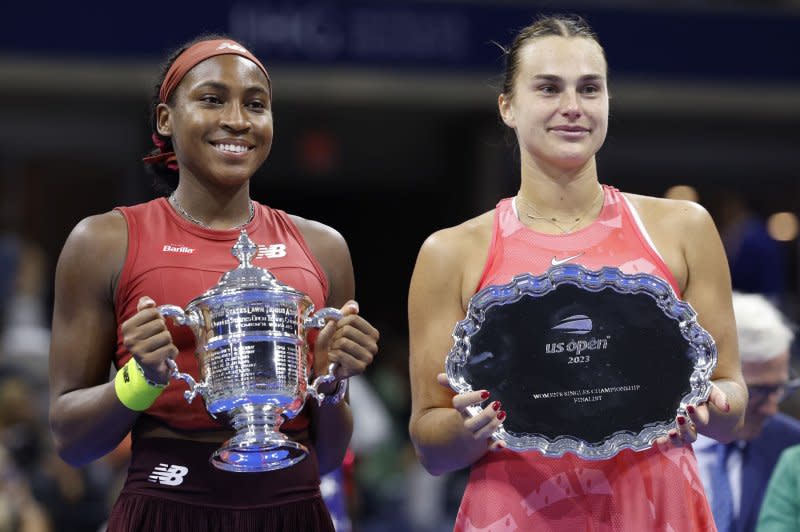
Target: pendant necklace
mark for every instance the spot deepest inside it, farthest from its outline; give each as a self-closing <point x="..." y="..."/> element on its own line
<point x="573" y="223"/>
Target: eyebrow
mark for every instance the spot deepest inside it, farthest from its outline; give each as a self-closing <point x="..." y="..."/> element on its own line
<point x="223" y="87"/>
<point x="554" y="78"/>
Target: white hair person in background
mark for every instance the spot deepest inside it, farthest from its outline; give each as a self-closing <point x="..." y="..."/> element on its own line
<point x="735" y="476"/>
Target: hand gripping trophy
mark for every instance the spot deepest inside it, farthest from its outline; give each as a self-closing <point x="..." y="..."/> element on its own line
<point x="250" y="331"/>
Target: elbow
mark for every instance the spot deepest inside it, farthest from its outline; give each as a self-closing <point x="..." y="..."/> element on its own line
<point x="431" y="466"/>
<point x="71" y="457"/>
<point x="330" y="463"/>
<point x="68" y="453"/>
<point x="67" y="450"/>
<point x="426" y="459"/>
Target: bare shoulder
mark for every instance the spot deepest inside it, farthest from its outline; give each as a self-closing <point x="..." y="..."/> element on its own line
<point x="92" y="258"/>
<point x="322" y="239"/>
<point x="329" y="248"/>
<point x="102" y="236"/>
<point x="460" y="242"/>
<point x="679" y="214"/>
<point x="450" y="262"/>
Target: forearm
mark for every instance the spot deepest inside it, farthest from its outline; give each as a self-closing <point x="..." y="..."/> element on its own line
<point x="87" y="424"/>
<point x="333" y="428"/>
<point x="725" y="425"/>
<point x="442" y="443"/>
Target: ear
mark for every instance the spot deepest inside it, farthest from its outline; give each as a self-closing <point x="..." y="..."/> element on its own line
<point x="163" y="124"/>
<point x="506" y="111"/>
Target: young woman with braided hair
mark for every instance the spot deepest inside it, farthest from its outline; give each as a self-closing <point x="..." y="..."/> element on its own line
<point x="212" y="125"/>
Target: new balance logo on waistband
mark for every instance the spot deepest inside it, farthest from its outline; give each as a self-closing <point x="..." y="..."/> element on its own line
<point x="171" y="475"/>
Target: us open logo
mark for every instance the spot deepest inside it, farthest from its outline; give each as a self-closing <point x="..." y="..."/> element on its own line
<point x="577" y="325"/>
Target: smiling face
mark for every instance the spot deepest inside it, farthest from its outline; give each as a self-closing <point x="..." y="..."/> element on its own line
<point x="220" y="120"/>
<point x="559" y="103"/>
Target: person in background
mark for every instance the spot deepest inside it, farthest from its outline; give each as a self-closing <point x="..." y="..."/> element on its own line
<point x="780" y="509"/>
<point x="736" y="474"/>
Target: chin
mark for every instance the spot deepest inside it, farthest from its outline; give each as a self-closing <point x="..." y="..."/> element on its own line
<point x="233" y="176"/>
<point x="570" y="162"/>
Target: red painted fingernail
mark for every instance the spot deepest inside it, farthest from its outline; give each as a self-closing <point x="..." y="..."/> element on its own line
<point x="501" y="416"/>
<point x="484" y="395"/>
<point x="690" y="409"/>
<point x="727" y="406"/>
<point x="681" y="420"/>
<point x="496" y="405"/>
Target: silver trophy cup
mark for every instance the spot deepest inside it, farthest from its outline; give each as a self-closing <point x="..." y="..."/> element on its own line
<point x="250" y="331"/>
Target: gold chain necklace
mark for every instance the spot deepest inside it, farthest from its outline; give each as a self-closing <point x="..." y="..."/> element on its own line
<point x="182" y="211"/>
<point x="554" y="221"/>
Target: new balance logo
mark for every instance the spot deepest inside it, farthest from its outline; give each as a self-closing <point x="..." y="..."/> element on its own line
<point x="273" y="251"/>
<point x="177" y="249"/>
<point x="232" y="46"/>
<point x="171" y="475"/>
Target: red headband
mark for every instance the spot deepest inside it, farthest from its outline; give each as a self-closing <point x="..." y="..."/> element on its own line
<point x="200" y="52"/>
<point x="187" y="60"/>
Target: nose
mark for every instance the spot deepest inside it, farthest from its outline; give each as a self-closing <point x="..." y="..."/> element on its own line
<point x="234" y="118"/>
<point x="570" y="105"/>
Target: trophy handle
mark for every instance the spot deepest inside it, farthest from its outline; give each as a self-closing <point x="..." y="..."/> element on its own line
<point x="195" y="388"/>
<point x="336" y="395"/>
<point x="176" y="313"/>
<point x="181" y="318"/>
<point x="318" y="319"/>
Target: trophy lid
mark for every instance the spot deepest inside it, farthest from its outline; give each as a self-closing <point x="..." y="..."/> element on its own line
<point x="246" y="276"/>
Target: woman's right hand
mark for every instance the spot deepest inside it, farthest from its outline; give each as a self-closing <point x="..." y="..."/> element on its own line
<point x="147" y="338"/>
<point x="485" y="423"/>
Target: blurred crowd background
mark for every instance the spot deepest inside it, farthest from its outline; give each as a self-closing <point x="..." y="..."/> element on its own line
<point x="386" y="128"/>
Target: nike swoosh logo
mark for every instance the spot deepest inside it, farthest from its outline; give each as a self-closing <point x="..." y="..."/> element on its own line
<point x="558" y="262"/>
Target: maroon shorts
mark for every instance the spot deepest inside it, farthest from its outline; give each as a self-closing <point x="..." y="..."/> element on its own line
<point x="171" y="486"/>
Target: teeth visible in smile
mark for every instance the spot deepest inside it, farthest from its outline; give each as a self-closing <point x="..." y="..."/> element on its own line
<point x="231" y="147"/>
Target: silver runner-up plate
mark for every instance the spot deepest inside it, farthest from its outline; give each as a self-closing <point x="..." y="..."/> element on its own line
<point x="584" y="362"/>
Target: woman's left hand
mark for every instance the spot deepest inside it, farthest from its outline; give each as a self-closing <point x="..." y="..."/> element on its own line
<point x="697" y="419"/>
<point x="350" y="342"/>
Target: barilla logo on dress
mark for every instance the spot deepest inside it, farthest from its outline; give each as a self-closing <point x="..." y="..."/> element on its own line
<point x="169" y="248"/>
<point x="273" y="251"/>
<point x="170" y="475"/>
<point x="579" y="325"/>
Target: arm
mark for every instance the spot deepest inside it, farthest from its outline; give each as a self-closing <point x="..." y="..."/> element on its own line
<point x="708" y="290"/>
<point x="351" y="342"/>
<point x="86" y="418"/>
<point x="445" y="439"/>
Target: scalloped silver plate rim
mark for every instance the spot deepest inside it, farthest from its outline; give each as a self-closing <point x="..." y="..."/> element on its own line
<point x="613" y="278"/>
